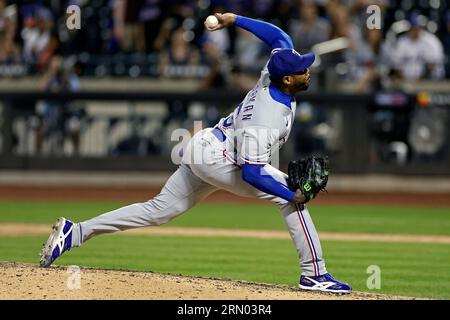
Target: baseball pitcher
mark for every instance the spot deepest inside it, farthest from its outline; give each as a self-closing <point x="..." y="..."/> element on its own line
<point x="235" y="156"/>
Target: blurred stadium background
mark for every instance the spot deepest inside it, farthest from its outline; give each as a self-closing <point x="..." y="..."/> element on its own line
<point x="90" y="114"/>
<point x="110" y="94"/>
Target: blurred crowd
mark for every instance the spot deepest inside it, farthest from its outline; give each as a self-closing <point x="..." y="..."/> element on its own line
<point x="167" y="38"/>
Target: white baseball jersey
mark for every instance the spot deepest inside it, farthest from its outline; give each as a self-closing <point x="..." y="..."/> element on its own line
<point x="260" y="124"/>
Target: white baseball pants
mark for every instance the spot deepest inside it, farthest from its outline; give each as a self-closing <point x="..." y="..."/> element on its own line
<point x="206" y="168"/>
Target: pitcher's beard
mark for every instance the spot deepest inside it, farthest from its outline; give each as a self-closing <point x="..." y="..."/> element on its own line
<point x="303" y="87"/>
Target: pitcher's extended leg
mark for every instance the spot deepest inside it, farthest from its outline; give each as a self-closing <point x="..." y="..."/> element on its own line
<point x="181" y="192"/>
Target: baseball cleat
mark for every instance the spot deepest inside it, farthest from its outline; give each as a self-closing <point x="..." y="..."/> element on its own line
<point x="324" y="283"/>
<point x="59" y="241"/>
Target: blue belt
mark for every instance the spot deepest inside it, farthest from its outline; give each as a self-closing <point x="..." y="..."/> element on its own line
<point x="219" y="134"/>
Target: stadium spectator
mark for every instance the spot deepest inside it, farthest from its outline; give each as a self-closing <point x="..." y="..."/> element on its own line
<point x="215" y="48"/>
<point x="52" y="48"/>
<point x="180" y="58"/>
<point x="153" y="14"/>
<point x="419" y="54"/>
<point x="128" y="30"/>
<point x="8" y="23"/>
<point x="334" y="11"/>
<point x="359" y="56"/>
<point x="55" y="119"/>
<point x="36" y="36"/>
<point x="9" y="52"/>
<point x="310" y="28"/>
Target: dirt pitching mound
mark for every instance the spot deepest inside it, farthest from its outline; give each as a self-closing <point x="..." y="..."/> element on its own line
<point x="28" y="281"/>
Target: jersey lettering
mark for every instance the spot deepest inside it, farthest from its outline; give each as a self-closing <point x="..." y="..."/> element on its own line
<point x="228" y="122"/>
<point x="239" y="107"/>
<point x="248" y="108"/>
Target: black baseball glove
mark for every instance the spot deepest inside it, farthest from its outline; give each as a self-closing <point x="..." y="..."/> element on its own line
<point x="310" y="175"/>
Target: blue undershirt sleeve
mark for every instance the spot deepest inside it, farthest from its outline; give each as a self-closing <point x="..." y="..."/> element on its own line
<point x="254" y="175"/>
<point x="267" y="32"/>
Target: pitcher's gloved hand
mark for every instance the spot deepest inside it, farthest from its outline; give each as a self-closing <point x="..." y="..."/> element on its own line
<point x="309" y="176"/>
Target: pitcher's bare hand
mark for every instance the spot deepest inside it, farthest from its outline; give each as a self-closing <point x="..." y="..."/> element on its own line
<point x="225" y="20"/>
<point x="299" y="197"/>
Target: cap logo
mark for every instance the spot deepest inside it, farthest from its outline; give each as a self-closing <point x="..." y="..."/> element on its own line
<point x="295" y="52"/>
<point x="275" y="51"/>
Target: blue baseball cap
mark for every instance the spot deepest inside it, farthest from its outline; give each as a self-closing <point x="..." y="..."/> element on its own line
<point x="284" y="62"/>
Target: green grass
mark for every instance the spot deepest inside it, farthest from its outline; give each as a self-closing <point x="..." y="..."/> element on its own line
<point x="412" y="270"/>
<point x="407" y="269"/>
<point x="360" y="219"/>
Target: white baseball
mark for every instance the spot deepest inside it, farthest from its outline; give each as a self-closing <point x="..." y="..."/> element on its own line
<point x="211" y="22"/>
